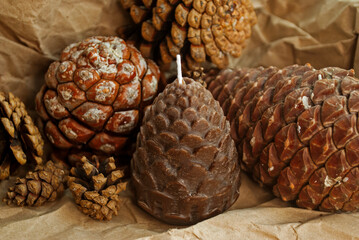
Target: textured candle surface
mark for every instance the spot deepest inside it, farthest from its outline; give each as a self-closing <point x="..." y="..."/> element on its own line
<point x="185" y="168"/>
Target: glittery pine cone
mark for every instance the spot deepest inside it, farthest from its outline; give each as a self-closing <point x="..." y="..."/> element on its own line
<point x="200" y="30"/>
<point x="296" y="131"/>
<point x="94" y="95"/>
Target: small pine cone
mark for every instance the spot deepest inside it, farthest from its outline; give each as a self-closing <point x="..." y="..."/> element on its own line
<point x="197" y="75"/>
<point x="94" y="95"/>
<point x="20" y="139"/>
<point x="296" y="131"/>
<point x="199" y="29"/>
<point x="45" y="184"/>
<point x="96" y="186"/>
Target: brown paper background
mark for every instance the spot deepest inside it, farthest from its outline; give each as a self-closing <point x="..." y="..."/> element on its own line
<point x="33" y="33"/>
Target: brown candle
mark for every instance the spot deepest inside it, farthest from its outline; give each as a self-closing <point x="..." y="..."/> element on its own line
<point x="185" y="168"/>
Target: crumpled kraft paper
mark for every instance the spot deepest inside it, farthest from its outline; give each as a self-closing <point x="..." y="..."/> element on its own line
<point x="323" y="33"/>
<point x="32" y="35"/>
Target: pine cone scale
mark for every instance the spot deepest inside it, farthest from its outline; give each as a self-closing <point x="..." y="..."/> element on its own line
<point x="20" y="189"/>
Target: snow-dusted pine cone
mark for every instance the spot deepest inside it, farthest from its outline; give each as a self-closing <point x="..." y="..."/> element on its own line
<point x="96" y="185"/>
<point x="45" y="184"/>
<point x="296" y="130"/>
<point x="185" y="168"/>
<point x="20" y="139"/>
<point x="95" y="94"/>
<point x="196" y="29"/>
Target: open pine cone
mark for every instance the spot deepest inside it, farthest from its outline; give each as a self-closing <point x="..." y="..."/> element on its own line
<point x="196" y="29"/>
<point x="96" y="185"/>
<point x="45" y="184"/>
<point x="20" y="139"/>
<point x="95" y="94"/>
<point x="296" y="131"/>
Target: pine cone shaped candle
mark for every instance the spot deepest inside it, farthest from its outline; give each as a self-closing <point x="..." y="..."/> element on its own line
<point x="197" y="29"/>
<point x="185" y="167"/>
<point x="96" y="185"/>
<point x="45" y="184"/>
<point x="20" y="139"/>
<point x="296" y="131"/>
<point x="95" y="94"/>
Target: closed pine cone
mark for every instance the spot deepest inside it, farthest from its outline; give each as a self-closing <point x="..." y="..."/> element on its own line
<point x="185" y="168"/>
<point x="20" y="139"/>
<point x="96" y="185"/>
<point x="45" y="184"/>
<point x="95" y="94"/>
<point x="296" y="131"/>
<point x="197" y="29"/>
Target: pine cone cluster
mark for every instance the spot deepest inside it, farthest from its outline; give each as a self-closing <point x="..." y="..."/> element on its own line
<point x="45" y="184"/>
<point x="185" y="167"/>
<point x="20" y="139"/>
<point x="96" y="185"/>
<point x="94" y="95"/>
<point x="196" y="29"/>
<point x="296" y="131"/>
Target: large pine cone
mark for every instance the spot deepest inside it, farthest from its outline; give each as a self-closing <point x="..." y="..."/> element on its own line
<point x="20" y="139"/>
<point x="296" y="130"/>
<point x="45" y="184"/>
<point x="196" y="29"/>
<point x="185" y="168"/>
<point x="96" y="186"/>
<point x="95" y="94"/>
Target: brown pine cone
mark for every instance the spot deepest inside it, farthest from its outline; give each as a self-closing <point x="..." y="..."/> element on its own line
<point x="198" y="29"/>
<point x="20" y="139"/>
<point x="185" y="168"/>
<point x="45" y="184"/>
<point x="296" y="130"/>
<point x="96" y="186"/>
<point x="95" y="94"/>
<point x="197" y="75"/>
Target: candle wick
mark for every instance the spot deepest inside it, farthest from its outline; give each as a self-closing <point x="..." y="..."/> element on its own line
<point x="179" y="70"/>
